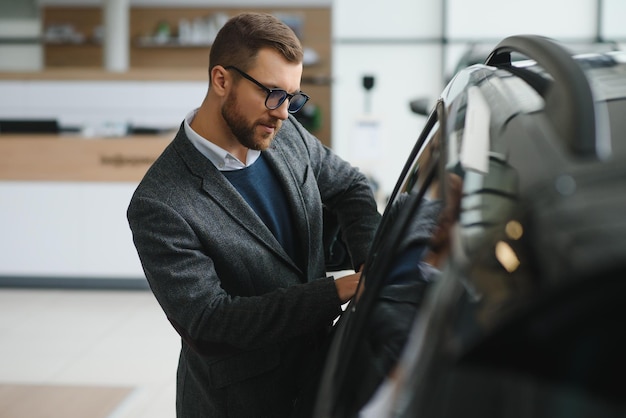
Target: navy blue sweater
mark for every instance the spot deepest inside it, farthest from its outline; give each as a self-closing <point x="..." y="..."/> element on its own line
<point x="260" y="187"/>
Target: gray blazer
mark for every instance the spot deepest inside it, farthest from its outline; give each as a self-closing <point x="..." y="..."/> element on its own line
<point x="249" y="317"/>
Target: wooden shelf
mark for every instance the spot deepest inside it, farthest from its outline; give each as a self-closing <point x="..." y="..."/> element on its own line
<point x="73" y="55"/>
<point x="143" y="22"/>
<point x="151" y="42"/>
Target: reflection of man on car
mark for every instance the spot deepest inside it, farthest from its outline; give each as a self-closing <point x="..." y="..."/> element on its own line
<point x="417" y="264"/>
<point x="420" y="255"/>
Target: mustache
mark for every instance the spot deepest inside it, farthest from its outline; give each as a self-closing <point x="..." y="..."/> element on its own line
<point x="274" y="122"/>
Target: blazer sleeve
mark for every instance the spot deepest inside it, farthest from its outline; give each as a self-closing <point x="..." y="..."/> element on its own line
<point x="346" y="193"/>
<point x="183" y="278"/>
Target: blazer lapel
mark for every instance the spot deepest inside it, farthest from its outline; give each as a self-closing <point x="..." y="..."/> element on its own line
<point x="291" y="182"/>
<point x="219" y="189"/>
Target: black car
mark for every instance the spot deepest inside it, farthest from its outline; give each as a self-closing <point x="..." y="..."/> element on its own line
<point x="477" y="53"/>
<point x="496" y="284"/>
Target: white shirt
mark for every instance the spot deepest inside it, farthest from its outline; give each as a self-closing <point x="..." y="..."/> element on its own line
<point x="222" y="159"/>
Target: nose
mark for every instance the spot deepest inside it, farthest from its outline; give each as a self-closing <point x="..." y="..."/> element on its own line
<point x="281" y="112"/>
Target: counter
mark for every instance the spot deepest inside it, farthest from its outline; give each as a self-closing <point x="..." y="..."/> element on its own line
<point x="75" y="158"/>
<point x="63" y="201"/>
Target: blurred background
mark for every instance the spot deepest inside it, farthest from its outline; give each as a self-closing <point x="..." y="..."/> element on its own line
<point x="112" y="79"/>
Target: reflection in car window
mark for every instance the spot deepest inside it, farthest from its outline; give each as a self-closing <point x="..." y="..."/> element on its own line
<point x="416" y="264"/>
<point x="396" y="280"/>
<point x="424" y="157"/>
<point x="406" y="257"/>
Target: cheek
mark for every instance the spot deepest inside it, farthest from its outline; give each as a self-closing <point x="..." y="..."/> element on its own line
<point x="250" y="110"/>
<point x="235" y="107"/>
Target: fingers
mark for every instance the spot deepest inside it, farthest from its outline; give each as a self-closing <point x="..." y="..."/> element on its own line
<point x="346" y="286"/>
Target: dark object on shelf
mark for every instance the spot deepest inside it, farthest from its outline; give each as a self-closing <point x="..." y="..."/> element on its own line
<point x="148" y="130"/>
<point x="29" y="126"/>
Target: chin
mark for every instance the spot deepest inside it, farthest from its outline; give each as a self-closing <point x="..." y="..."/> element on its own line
<point x="264" y="143"/>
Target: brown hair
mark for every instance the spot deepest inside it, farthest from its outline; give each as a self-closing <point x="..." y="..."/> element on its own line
<point x="240" y="39"/>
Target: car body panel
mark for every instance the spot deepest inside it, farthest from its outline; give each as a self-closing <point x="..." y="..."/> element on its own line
<point x="522" y="167"/>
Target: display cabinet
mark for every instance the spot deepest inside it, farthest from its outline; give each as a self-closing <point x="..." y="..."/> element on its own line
<point x="175" y="39"/>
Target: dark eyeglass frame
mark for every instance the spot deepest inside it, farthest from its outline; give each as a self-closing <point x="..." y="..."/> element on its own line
<point x="293" y="106"/>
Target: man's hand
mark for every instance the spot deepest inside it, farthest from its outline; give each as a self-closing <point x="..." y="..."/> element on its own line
<point x="346" y="286"/>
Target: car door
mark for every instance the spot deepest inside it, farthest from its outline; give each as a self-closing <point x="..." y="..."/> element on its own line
<point x="371" y="334"/>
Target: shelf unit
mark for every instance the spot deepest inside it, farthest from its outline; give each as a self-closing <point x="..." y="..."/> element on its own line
<point x="143" y="22"/>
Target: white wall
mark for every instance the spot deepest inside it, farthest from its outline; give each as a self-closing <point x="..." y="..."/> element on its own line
<point x="15" y="54"/>
<point x="400" y="41"/>
<point x="613" y="16"/>
<point x="495" y="19"/>
<point x="80" y="230"/>
<point x="385" y="40"/>
<point x="66" y="230"/>
<point x="161" y="104"/>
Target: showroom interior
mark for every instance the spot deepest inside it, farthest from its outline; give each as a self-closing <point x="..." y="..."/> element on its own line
<point x="92" y="91"/>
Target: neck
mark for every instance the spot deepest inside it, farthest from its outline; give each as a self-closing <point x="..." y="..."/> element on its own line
<point x="215" y="130"/>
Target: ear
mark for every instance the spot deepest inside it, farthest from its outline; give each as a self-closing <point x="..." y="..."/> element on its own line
<point x="220" y="80"/>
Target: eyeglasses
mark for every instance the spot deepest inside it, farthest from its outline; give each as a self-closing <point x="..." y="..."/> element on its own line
<point x="276" y="97"/>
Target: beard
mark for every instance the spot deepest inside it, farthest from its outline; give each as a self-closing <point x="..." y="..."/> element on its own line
<point x="245" y="132"/>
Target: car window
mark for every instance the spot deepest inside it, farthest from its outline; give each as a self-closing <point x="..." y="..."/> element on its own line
<point x="404" y="260"/>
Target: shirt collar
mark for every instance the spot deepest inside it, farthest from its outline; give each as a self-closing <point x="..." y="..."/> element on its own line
<point x="222" y="159"/>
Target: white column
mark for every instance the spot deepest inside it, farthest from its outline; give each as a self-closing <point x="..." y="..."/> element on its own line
<point x="116" y="35"/>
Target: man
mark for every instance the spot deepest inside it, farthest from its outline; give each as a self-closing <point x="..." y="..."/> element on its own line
<point x="228" y="226"/>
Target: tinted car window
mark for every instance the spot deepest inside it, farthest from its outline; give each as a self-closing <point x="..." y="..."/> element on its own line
<point x="404" y="261"/>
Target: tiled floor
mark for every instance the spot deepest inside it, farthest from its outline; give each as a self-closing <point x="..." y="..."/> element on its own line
<point x="91" y="338"/>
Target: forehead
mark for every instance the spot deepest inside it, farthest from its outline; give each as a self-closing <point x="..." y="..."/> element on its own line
<point x="272" y="69"/>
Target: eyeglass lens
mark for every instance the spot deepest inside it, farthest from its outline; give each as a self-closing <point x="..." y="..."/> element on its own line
<point x="277" y="97"/>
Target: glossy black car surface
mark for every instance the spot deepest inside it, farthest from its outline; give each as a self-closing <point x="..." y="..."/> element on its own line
<point x="477" y="53"/>
<point x="496" y="285"/>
